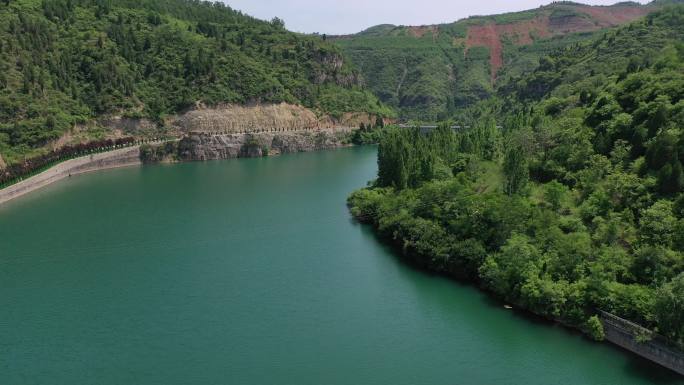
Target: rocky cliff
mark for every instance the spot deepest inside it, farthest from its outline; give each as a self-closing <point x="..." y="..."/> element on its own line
<point x="255" y="118"/>
<point x="214" y="146"/>
<point x="236" y="119"/>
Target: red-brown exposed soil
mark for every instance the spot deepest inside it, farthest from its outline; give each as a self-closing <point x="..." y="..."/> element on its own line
<point x="491" y="35"/>
<point x="487" y="36"/>
<point x="521" y="33"/>
<point x="611" y="16"/>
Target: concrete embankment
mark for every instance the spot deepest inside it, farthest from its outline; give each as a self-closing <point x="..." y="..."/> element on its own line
<point x="128" y="156"/>
<point x="654" y="348"/>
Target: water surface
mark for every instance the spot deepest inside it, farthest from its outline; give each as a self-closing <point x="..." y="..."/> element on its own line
<point x="252" y="272"/>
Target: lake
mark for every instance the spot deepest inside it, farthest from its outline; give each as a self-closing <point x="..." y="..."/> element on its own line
<point x="252" y="271"/>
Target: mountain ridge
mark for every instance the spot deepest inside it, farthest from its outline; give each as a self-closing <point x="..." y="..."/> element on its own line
<point x="452" y="65"/>
<point x="386" y="26"/>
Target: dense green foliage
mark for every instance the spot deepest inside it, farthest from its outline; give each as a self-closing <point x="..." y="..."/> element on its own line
<point x="418" y="74"/>
<point x="154" y="153"/>
<point x="64" y="62"/>
<point x="370" y="134"/>
<point x="577" y="204"/>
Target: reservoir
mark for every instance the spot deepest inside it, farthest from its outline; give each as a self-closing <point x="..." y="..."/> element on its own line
<point x="252" y="271"/>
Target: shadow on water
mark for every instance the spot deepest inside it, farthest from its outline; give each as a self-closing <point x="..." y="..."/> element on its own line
<point x="635" y="365"/>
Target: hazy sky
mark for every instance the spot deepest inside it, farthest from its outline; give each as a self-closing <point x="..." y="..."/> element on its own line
<point x="350" y="16"/>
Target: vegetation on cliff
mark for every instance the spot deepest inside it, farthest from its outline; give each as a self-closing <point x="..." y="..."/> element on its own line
<point x="577" y="204"/>
<point x="64" y="62"/>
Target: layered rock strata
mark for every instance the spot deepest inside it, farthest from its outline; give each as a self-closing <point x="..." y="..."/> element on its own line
<point x="214" y="146"/>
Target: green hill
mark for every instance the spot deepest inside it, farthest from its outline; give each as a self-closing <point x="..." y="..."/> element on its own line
<point x="577" y="204"/>
<point x="65" y="62"/>
<point x="428" y="72"/>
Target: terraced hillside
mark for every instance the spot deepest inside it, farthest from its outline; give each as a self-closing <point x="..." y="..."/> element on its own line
<point x="430" y="71"/>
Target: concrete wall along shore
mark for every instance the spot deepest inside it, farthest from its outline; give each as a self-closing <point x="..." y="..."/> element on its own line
<point x="128" y="156"/>
<point x="626" y="335"/>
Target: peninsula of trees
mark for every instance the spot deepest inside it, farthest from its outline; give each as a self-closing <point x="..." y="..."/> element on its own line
<point x="577" y="204"/>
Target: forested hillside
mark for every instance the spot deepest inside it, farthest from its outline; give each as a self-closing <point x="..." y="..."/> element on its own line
<point x="65" y="62"/>
<point x="431" y="72"/>
<point x="577" y="204"/>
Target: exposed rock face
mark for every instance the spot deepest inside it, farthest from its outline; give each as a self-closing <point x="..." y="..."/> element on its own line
<point x="256" y="118"/>
<point x="231" y="118"/>
<point x="231" y="131"/>
<point x="206" y="146"/>
<point x="354" y="119"/>
<point x="332" y="64"/>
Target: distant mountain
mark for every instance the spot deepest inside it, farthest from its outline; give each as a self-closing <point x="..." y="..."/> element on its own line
<point x="64" y="63"/>
<point x="427" y="72"/>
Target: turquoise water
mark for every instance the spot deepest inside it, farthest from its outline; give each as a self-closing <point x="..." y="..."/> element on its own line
<point x="251" y="271"/>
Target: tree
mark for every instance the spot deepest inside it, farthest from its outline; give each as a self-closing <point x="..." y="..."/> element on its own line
<point x="278" y="23"/>
<point x="506" y="271"/>
<point x="554" y="194"/>
<point x="654" y="264"/>
<point x="678" y="206"/>
<point x="516" y="170"/>
<point x="657" y="224"/>
<point x="594" y="328"/>
<point x="669" y="309"/>
<point x="394" y="160"/>
<point x="671" y="178"/>
<point x="379" y="122"/>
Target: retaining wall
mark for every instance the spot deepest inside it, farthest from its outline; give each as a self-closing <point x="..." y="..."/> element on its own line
<point x="624" y="334"/>
<point x="128" y="156"/>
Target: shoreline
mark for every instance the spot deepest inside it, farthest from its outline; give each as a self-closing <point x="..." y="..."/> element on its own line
<point x="616" y="335"/>
<point x="123" y="157"/>
<point x="207" y="146"/>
